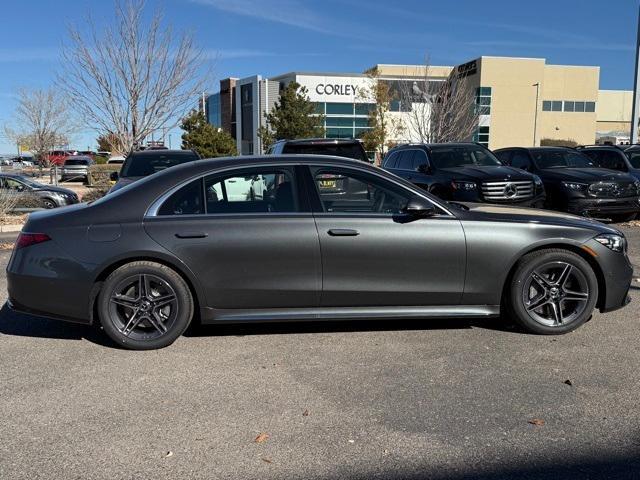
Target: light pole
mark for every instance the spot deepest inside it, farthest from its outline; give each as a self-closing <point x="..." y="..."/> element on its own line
<point x="636" y="90"/>
<point x="535" y="117"/>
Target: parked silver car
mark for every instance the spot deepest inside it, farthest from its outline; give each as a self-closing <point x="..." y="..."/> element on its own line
<point x="76" y="168"/>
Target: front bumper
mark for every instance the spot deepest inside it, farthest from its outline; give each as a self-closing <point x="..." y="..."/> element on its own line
<point x="617" y="275"/>
<point x="603" y="206"/>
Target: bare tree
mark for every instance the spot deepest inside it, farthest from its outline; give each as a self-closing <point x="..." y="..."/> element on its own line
<point x="441" y="110"/>
<point x="41" y="122"/>
<point x="384" y="128"/>
<point x="134" y="78"/>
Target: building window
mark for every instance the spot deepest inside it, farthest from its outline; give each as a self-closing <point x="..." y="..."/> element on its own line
<point x="483" y="100"/>
<point x="482" y="136"/>
<point x="546" y="106"/>
<point x="319" y="107"/>
<point x="364" y="108"/>
<point x="339" y="108"/>
<point x="579" y="107"/>
<point x="333" y="132"/>
<point x="339" y="122"/>
<point x="556" y="106"/>
<point x="590" y="107"/>
<point x="569" y="106"/>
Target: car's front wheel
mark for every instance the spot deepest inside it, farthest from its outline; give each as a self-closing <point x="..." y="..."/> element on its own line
<point x="553" y="291"/>
<point x="145" y="305"/>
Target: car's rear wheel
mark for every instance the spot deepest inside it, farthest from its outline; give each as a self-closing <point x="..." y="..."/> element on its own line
<point x="48" y="203"/>
<point x="145" y="305"/>
<point x="553" y="291"/>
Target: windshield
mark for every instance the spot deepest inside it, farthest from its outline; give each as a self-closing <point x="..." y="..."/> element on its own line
<point x="348" y="150"/>
<point x="142" y="165"/>
<point x="462" y="156"/>
<point x="561" y="159"/>
<point x="634" y="158"/>
<point x="76" y="161"/>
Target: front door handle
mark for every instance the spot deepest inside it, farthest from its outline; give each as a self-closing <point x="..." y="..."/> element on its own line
<point x="343" y="232"/>
<point x="191" y="235"/>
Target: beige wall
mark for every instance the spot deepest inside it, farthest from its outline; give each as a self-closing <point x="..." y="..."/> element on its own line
<point x="435" y="71"/>
<point x="513" y="98"/>
<point x="569" y="83"/>
<point x="614" y="111"/>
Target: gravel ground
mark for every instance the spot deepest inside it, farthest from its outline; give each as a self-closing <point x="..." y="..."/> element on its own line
<point x="390" y="400"/>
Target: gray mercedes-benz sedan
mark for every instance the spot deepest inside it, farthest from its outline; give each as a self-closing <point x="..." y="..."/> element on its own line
<point x="304" y="238"/>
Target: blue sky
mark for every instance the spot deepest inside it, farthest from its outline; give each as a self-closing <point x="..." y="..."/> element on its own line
<point x="244" y="37"/>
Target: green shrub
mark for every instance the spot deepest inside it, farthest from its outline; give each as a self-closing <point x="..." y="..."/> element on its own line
<point x="556" y="142"/>
<point x="100" y="160"/>
<point x="99" y="175"/>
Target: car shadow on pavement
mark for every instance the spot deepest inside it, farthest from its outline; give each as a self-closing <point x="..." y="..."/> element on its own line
<point x="347" y="326"/>
<point x="23" y="325"/>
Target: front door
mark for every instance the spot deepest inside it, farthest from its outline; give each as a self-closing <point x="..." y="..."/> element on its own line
<point x="373" y="254"/>
<point x="248" y="237"/>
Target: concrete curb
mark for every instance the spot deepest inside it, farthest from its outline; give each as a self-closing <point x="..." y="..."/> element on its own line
<point x="10" y="228"/>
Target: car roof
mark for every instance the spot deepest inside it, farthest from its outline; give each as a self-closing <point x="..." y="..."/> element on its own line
<point x="320" y="141"/>
<point x="158" y="152"/>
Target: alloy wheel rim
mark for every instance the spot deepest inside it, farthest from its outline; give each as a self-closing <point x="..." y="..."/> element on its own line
<point x="143" y="307"/>
<point x="555" y="294"/>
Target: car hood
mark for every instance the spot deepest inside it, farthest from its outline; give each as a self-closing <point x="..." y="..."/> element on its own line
<point x="497" y="172"/>
<point x="53" y="188"/>
<point x="585" y="175"/>
<point x="123" y="182"/>
<point x="500" y="213"/>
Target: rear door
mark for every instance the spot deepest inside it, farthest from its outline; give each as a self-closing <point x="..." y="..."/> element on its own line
<point x="372" y="255"/>
<point x="248" y="235"/>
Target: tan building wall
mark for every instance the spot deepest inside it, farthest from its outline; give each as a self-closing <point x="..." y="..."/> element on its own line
<point x="416" y="71"/>
<point x="614" y="111"/>
<point x="569" y="83"/>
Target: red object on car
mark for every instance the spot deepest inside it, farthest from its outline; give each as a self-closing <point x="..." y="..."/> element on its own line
<point x="57" y="157"/>
<point x="28" y="239"/>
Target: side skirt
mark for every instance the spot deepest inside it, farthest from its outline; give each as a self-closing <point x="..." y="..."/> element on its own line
<point x="211" y="315"/>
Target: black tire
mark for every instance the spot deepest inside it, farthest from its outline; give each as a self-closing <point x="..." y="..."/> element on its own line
<point x="48" y="203"/>
<point x="145" y="305"/>
<point x="527" y="290"/>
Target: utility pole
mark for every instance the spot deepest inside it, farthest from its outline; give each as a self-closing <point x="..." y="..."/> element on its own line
<point x="636" y="90"/>
<point x="535" y="118"/>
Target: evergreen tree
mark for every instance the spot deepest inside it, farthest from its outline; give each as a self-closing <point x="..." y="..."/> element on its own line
<point x="293" y="116"/>
<point x="204" y="138"/>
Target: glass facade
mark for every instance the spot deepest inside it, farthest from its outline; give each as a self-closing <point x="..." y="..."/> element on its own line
<point x="482" y="136"/>
<point x="213" y="110"/>
<point x="568" y="106"/>
<point x="483" y="100"/>
<point x="344" y="120"/>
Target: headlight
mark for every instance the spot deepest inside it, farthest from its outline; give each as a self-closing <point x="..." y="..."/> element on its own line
<point x="575" y="186"/>
<point x="637" y="185"/>
<point x="614" y="242"/>
<point x="463" y="185"/>
<point x="537" y="180"/>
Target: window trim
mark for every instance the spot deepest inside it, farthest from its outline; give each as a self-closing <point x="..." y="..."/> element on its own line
<point x="303" y="196"/>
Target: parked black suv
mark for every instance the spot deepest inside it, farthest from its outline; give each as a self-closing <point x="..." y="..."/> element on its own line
<point x="464" y="172"/>
<point x="574" y="183"/>
<point x="622" y="159"/>
<point x="348" y="148"/>
<point x="143" y="163"/>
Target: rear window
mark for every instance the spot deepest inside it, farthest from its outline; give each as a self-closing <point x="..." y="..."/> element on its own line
<point x="348" y="150"/>
<point x="142" y="165"/>
<point x="76" y="161"/>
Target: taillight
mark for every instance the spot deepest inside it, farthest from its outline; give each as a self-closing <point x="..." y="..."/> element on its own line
<point x="28" y="239"/>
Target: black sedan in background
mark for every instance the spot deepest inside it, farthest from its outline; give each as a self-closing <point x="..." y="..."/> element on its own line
<point x="575" y="183"/>
<point x="620" y="158"/>
<point x="464" y="172"/>
<point x="47" y="196"/>
<point x="187" y="243"/>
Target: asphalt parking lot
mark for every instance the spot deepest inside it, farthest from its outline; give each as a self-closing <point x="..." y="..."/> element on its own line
<point x="396" y="400"/>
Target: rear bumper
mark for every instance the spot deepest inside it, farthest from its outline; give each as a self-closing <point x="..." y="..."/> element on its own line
<point x="603" y="206"/>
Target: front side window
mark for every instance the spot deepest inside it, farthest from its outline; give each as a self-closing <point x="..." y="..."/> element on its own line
<point x="405" y="162"/>
<point x="608" y="159"/>
<point x="343" y="191"/>
<point x="634" y="158"/>
<point x="462" y="156"/>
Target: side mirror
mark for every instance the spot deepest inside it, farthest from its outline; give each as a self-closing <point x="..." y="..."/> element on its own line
<point x="425" y="168"/>
<point x="113" y="176"/>
<point x="420" y="208"/>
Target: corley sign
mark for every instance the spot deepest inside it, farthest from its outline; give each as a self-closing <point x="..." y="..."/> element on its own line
<point x="336" y="89"/>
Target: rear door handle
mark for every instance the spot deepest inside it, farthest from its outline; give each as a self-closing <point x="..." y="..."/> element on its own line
<point x="191" y="235"/>
<point x="343" y="232"/>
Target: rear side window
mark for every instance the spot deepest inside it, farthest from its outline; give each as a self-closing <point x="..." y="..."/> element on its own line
<point x="406" y="160"/>
<point x="504" y="157"/>
<point x="347" y="150"/>
<point x="186" y="201"/>
<point x="419" y="159"/>
<point x="252" y="191"/>
<point x="391" y="160"/>
<point x="143" y="165"/>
